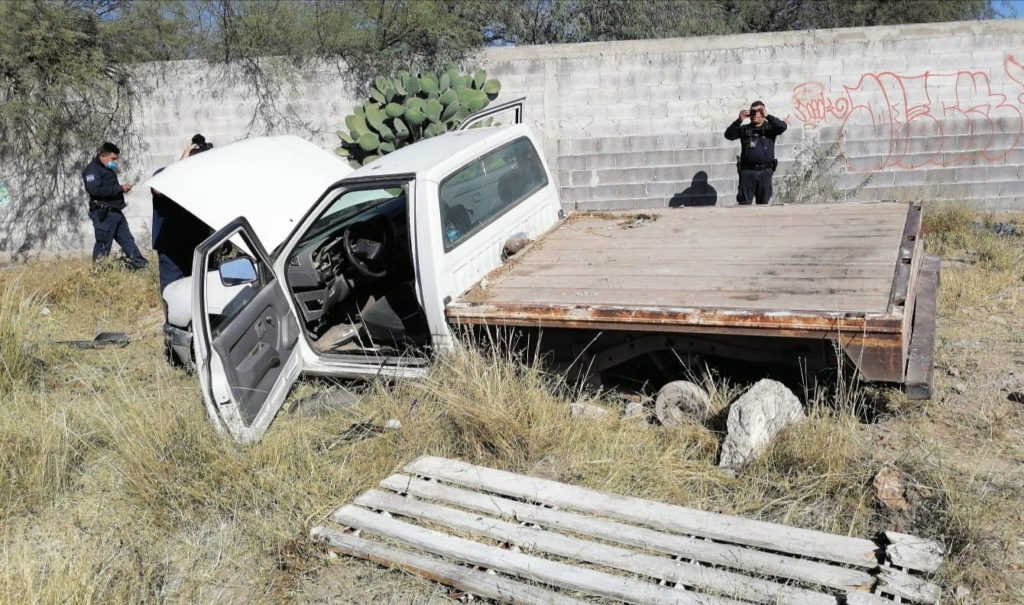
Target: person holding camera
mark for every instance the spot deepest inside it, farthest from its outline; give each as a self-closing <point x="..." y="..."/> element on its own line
<point x="756" y="162"/>
<point x="176" y="231"/>
<point x="106" y="205"/>
<point x="198" y="145"/>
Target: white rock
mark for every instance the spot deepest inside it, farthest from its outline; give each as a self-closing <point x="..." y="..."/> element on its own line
<point x="393" y="425"/>
<point x="586" y="410"/>
<point x="680" y="401"/>
<point x="755" y="419"/>
<point x="44" y="311"/>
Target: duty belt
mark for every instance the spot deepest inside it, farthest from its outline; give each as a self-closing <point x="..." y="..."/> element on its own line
<point x="749" y="166"/>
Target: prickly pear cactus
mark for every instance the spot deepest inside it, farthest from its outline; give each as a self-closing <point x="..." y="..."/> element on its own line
<point x="410" y="106"/>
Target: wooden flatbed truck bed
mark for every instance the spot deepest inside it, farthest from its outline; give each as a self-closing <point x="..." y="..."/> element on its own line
<point x="853" y="273"/>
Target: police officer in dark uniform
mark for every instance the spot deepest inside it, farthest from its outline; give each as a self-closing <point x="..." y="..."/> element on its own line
<point x="106" y="203"/>
<point x="757" y="161"/>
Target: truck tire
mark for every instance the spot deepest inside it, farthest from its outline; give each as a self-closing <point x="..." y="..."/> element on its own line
<point x="680" y="401"/>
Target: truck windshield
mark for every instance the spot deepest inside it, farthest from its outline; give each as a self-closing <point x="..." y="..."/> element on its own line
<point x="346" y="205"/>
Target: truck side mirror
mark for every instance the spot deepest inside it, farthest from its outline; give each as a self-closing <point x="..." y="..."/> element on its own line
<point x="237" y="271"/>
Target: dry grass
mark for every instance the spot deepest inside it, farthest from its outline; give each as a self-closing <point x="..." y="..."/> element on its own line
<point x="964" y="239"/>
<point x="115" y="489"/>
<point x="16" y="310"/>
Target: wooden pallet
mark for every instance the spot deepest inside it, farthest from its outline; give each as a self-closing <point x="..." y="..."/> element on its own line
<point x="519" y="539"/>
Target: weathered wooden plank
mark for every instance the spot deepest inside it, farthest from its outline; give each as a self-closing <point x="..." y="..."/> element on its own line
<point x="755" y="264"/>
<point x="805" y="542"/>
<point x="668" y="227"/>
<point x="682" y="288"/>
<point x="865" y="598"/>
<point x="920" y="357"/>
<point x="726" y="555"/>
<point x="711" y="258"/>
<point x="716" y="581"/>
<point x="764" y="283"/>
<point x="700" y="270"/>
<point x="754" y="215"/>
<point x="903" y="585"/>
<point x="525" y="566"/>
<point x="783" y="247"/>
<point x="463" y="578"/>
<point x="912" y="552"/>
<point x="851" y="302"/>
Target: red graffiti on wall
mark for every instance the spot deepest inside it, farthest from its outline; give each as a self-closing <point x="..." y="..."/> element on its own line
<point x="943" y="119"/>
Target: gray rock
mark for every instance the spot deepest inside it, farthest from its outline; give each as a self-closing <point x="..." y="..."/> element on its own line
<point x="959" y="388"/>
<point x="635" y="409"/>
<point x="755" y="419"/>
<point x="586" y="410"/>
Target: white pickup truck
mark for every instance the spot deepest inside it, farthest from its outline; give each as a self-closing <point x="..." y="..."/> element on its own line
<point x="375" y="270"/>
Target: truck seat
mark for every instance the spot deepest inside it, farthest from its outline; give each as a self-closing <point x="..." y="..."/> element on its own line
<point x="396" y="319"/>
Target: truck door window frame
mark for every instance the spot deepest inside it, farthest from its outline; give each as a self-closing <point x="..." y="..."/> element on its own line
<point x="452" y="235"/>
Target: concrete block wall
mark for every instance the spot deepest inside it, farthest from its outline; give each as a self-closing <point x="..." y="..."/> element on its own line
<point x="933" y="111"/>
<point x="921" y="112"/>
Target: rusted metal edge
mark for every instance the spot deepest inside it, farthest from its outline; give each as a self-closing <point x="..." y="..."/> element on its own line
<point x="921" y="358"/>
<point x="910" y="243"/>
<point x="671" y="319"/>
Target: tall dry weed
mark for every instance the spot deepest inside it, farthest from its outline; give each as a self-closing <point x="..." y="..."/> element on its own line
<point x="17" y="310"/>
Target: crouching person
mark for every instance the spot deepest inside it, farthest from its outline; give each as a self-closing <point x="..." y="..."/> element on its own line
<point x="176" y="231"/>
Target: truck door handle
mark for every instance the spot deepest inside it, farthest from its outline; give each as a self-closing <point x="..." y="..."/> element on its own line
<point x="261" y="326"/>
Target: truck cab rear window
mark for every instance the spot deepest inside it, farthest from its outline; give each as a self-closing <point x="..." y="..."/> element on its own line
<point x="485" y="189"/>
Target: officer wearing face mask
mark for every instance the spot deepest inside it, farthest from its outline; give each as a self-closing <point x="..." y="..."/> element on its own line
<point x="106" y="203"/>
<point x="757" y="161"/>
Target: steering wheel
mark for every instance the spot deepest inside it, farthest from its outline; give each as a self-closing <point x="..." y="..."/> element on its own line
<point x="366" y="247"/>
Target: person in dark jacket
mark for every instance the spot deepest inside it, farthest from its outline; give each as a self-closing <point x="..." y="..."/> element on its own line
<point x="757" y="152"/>
<point x="106" y="205"/>
<point x="176" y="231"/>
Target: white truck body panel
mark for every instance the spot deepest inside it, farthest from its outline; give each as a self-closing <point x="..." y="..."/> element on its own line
<point x="440" y="275"/>
<point x="269" y="180"/>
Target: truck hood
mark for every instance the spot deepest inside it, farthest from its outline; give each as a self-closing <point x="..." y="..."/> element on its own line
<point x="271" y="181"/>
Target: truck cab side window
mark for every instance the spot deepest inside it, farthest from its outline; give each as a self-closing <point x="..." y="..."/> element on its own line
<point x="480" y="192"/>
